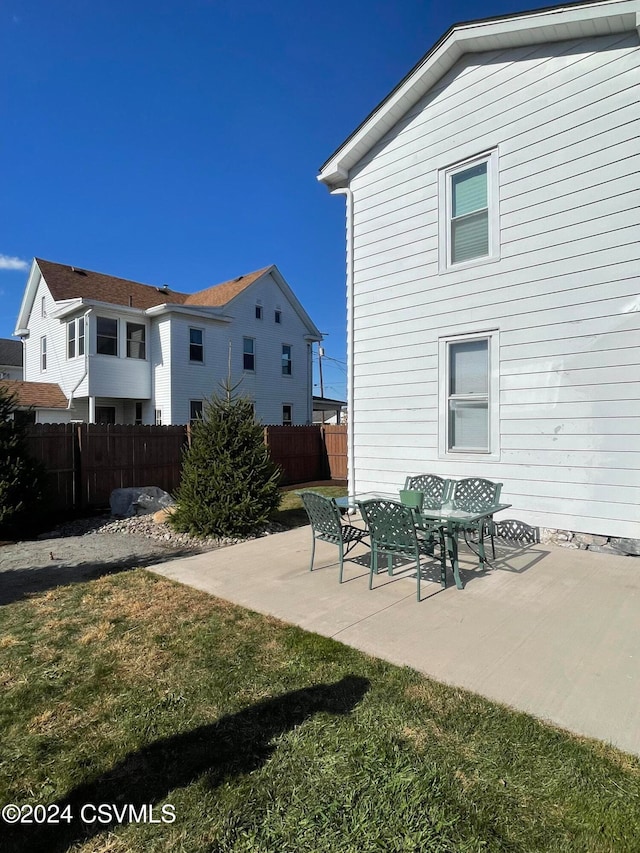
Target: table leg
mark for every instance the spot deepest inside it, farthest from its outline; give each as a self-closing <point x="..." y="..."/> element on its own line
<point x="452" y="548"/>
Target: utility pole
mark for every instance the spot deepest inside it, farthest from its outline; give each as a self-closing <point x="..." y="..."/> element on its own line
<point x="320" y="355"/>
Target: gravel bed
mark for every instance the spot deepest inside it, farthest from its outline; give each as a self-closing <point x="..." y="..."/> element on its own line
<point x="141" y="525"/>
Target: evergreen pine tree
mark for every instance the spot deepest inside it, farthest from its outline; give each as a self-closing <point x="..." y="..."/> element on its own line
<point x="229" y="485"/>
<point x="21" y="478"/>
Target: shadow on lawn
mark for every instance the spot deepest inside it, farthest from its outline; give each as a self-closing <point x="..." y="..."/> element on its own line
<point x="235" y="745"/>
<point x="18" y="584"/>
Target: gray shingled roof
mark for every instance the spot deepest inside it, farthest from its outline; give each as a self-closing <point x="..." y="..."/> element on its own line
<point x="10" y="352"/>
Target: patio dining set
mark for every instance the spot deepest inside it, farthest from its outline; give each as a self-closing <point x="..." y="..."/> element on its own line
<point x="429" y="512"/>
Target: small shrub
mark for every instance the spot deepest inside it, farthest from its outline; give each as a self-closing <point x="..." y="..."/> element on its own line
<point x="229" y="485"/>
<point x="21" y="477"/>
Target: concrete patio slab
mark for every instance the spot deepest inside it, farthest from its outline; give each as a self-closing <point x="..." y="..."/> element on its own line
<point x="551" y="631"/>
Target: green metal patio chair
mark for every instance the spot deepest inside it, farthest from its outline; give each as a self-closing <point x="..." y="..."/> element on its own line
<point x="327" y="525"/>
<point x="392" y="528"/>
<point x="434" y="489"/>
<point x="474" y="494"/>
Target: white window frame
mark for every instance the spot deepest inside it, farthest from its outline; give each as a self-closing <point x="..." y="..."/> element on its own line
<point x="115" y="354"/>
<point x="80" y="336"/>
<point x="129" y="348"/>
<point x="492" y="454"/>
<point x="252" y="354"/>
<point x="288" y="361"/>
<point x="259" y="311"/>
<point x="201" y="345"/>
<point x="194" y="417"/>
<point x="71" y="339"/>
<point x="445" y="177"/>
<point x="157" y="417"/>
<point x="43" y="354"/>
<point x="288" y="422"/>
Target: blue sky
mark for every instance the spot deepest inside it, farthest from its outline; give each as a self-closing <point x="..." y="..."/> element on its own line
<point x="178" y="141"/>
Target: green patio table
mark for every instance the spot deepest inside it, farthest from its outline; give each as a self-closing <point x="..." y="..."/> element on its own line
<point x="453" y="520"/>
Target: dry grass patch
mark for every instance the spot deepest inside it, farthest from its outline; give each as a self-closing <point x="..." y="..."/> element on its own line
<point x="154" y="695"/>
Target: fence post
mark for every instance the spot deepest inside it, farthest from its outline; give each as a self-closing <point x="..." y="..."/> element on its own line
<point x="78" y="480"/>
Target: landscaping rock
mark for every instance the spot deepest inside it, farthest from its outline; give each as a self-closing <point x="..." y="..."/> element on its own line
<point x="138" y="500"/>
<point x="630" y="547"/>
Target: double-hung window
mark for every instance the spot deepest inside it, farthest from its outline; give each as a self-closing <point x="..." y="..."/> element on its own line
<point x="43" y="354"/>
<point x="468" y="204"/>
<point x="469" y="391"/>
<point x="287" y="416"/>
<point x="286" y="359"/>
<point x="248" y="354"/>
<point x="196" y="345"/>
<point x="75" y="337"/>
<point x="71" y="339"/>
<point x="195" y="411"/>
<point x="136" y="340"/>
<point x="106" y="336"/>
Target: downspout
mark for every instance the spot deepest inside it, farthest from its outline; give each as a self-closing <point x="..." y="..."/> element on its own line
<point x="86" y="360"/>
<point x="351" y="476"/>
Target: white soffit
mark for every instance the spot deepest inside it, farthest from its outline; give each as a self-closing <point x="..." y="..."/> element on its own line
<point x="548" y="25"/>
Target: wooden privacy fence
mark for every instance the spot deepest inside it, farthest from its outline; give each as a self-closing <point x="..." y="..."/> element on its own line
<point x="85" y="462"/>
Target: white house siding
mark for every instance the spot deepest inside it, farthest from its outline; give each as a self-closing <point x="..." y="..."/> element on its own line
<point x="60" y="369"/>
<point x="267" y="387"/>
<point x="118" y="376"/>
<point x="565" y="118"/>
<point x="160" y="354"/>
<point x="55" y="416"/>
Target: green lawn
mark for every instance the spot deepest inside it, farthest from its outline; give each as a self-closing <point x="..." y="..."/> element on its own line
<point x="291" y="513"/>
<point x="133" y="689"/>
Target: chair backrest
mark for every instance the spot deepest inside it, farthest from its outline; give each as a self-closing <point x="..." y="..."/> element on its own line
<point x="434" y="489"/>
<point x="391" y="525"/>
<point x="323" y="513"/>
<point x="474" y="494"/>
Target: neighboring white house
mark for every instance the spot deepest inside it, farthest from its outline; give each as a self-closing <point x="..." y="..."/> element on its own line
<point x="10" y="359"/>
<point x="493" y="244"/>
<point x="125" y="352"/>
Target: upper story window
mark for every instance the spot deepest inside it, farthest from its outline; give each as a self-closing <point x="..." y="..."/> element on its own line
<point x="196" y="345"/>
<point x="258" y="312"/>
<point x="248" y="354"/>
<point x="278" y="316"/>
<point x="43" y="307"/>
<point x="468" y="204"/>
<point x="136" y="340"/>
<point x="469" y="385"/>
<point x="106" y="336"/>
<point x="43" y="354"/>
<point x="71" y="339"/>
<point x="286" y="360"/>
<point x="75" y="337"/>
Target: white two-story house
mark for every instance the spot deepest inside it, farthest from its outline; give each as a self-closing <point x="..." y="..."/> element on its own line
<point x="125" y="352"/>
<point x="493" y="277"/>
